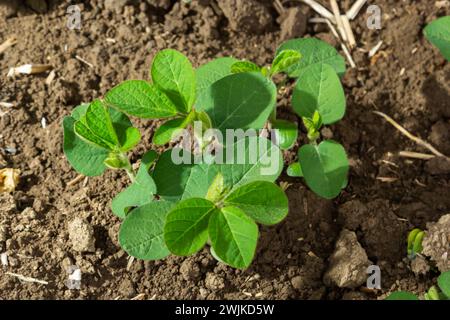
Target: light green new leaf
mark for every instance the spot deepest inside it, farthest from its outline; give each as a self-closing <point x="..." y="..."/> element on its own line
<point x="186" y="229"/>
<point x="130" y="139"/>
<point x="96" y="127"/>
<point x="444" y="283"/>
<point x="319" y="88"/>
<point x="141" y="99"/>
<point x="294" y="170"/>
<point x="173" y="73"/>
<point x="286" y="133"/>
<point x="213" y="71"/>
<point x="284" y="60"/>
<point x="139" y="193"/>
<point x="245" y="66"/>
<point x="402" y="295"/>
<point x="86" y="158"/>
<point x="233" y="236"/>
<point x="325" y="167"/>
<point x="239" y="101"/>
<point x="141" y="234"/>
<point x="313" y="51"/>
<point x="438" y="33"/>
<point x="251" y="159"/>
<point x="263" y="201"/>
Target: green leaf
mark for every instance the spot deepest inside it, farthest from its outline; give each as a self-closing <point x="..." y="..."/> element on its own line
<point x="295" y="170"/>
<point x="139" y="193"/>
<point x="130" y="139"/>
<point x="186" y="229"/>
<point x="438" y="33"/>
<point x="171" y="129"/>
<point x="325" y="167"/>
<point x="182" y="181"/>
<point x="217" y="189"/>
<point x="286" y="133"/>
<point x="239" y="101"/>
<point x="203" y="117"/>
<point x="233" y="236"/>
<point x="141" y="234"/>
<point x="141" y="99"/>
<point x="313" y="51"/>
<point x="251" y="159"/>
<point x="173" y="73"/>
<point x="87" y="158"/>
<point x="402" y="295"/>
<point x="96" y="127"/>
<point x="245" y="66"/>
<point x="263" y="201"/>
<point x="319" y="89"/>
<point x="444" y="283"/>
<point x="213" y="71"/>
<point x="284" y="60"/>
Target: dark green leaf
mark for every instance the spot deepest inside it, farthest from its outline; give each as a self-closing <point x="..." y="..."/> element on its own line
<point x="172" y="72"/>
<point x="263" y="201"/>
<point x="402" y="295"/>
<point x="319" y="89"/>
<point x="438" y="32"/>
<point x="186" y="229"/>
<point x="142" y="233"/>
<point x="233" y="236"/>
<point x="325" y="167"/>
<point x="213" y="71"/>
<point x="286" y="133"/>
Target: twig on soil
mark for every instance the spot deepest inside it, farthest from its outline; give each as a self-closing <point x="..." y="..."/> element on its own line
<point x="416" y="155"/>
<point x="354" y="10"/>
<point x="343" y="46"/>
<point x="348" y="30"/>
<point x="375" y="49"/>
<point x="387" y="179"/>
<point x="409" y="135"/>
<point x="75" y="181"/>
<point x="279" y="7"/>
<point x="50" y="78"/>
<point x="90" y="65"/>
<point x="339" y="23"/>
<point x="140" y="296"/>
<point x="26" y="279"/>
<point x="29" y="69"/>
<point x="6" y="104"/>
<point x="320" y="9"/>
<point x="130" y="262"/>
<point x="8" y="43"/>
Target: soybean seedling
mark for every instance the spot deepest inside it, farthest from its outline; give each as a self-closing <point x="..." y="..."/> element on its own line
<point x="178" y="208"/>
<point x="415" y="238"/>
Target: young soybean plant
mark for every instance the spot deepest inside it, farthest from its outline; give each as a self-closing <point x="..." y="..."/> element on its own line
<point x="318" y="98"/>
<point x="438" y="33"/>
<point x="178" y="208"/>
<point x="434" y="293"/>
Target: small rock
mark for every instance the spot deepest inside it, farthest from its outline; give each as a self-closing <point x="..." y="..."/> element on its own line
<point x="214" y="282"/>
<point x="126" y="289"/>
<point x="81" y="235"/>
<point x="293" y="24"/>
<point x="29" y="213"/>
<point x="246" y="15"/>
<point x="437" y="166"/>
<point x="436" y="243"/>
<point x="348" y="263"/>
<point x="440" y="136"/>
<point x="190" y="270"/>
<point x="298" y="282"/>
<point x="203" y="292"/>
<point x="420" y="266"/>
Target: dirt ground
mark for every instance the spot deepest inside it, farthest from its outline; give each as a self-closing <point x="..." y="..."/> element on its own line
<point x="406" y="80"/>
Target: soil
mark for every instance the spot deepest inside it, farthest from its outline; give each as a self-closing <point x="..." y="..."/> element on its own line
<point x="408" y="80"/>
